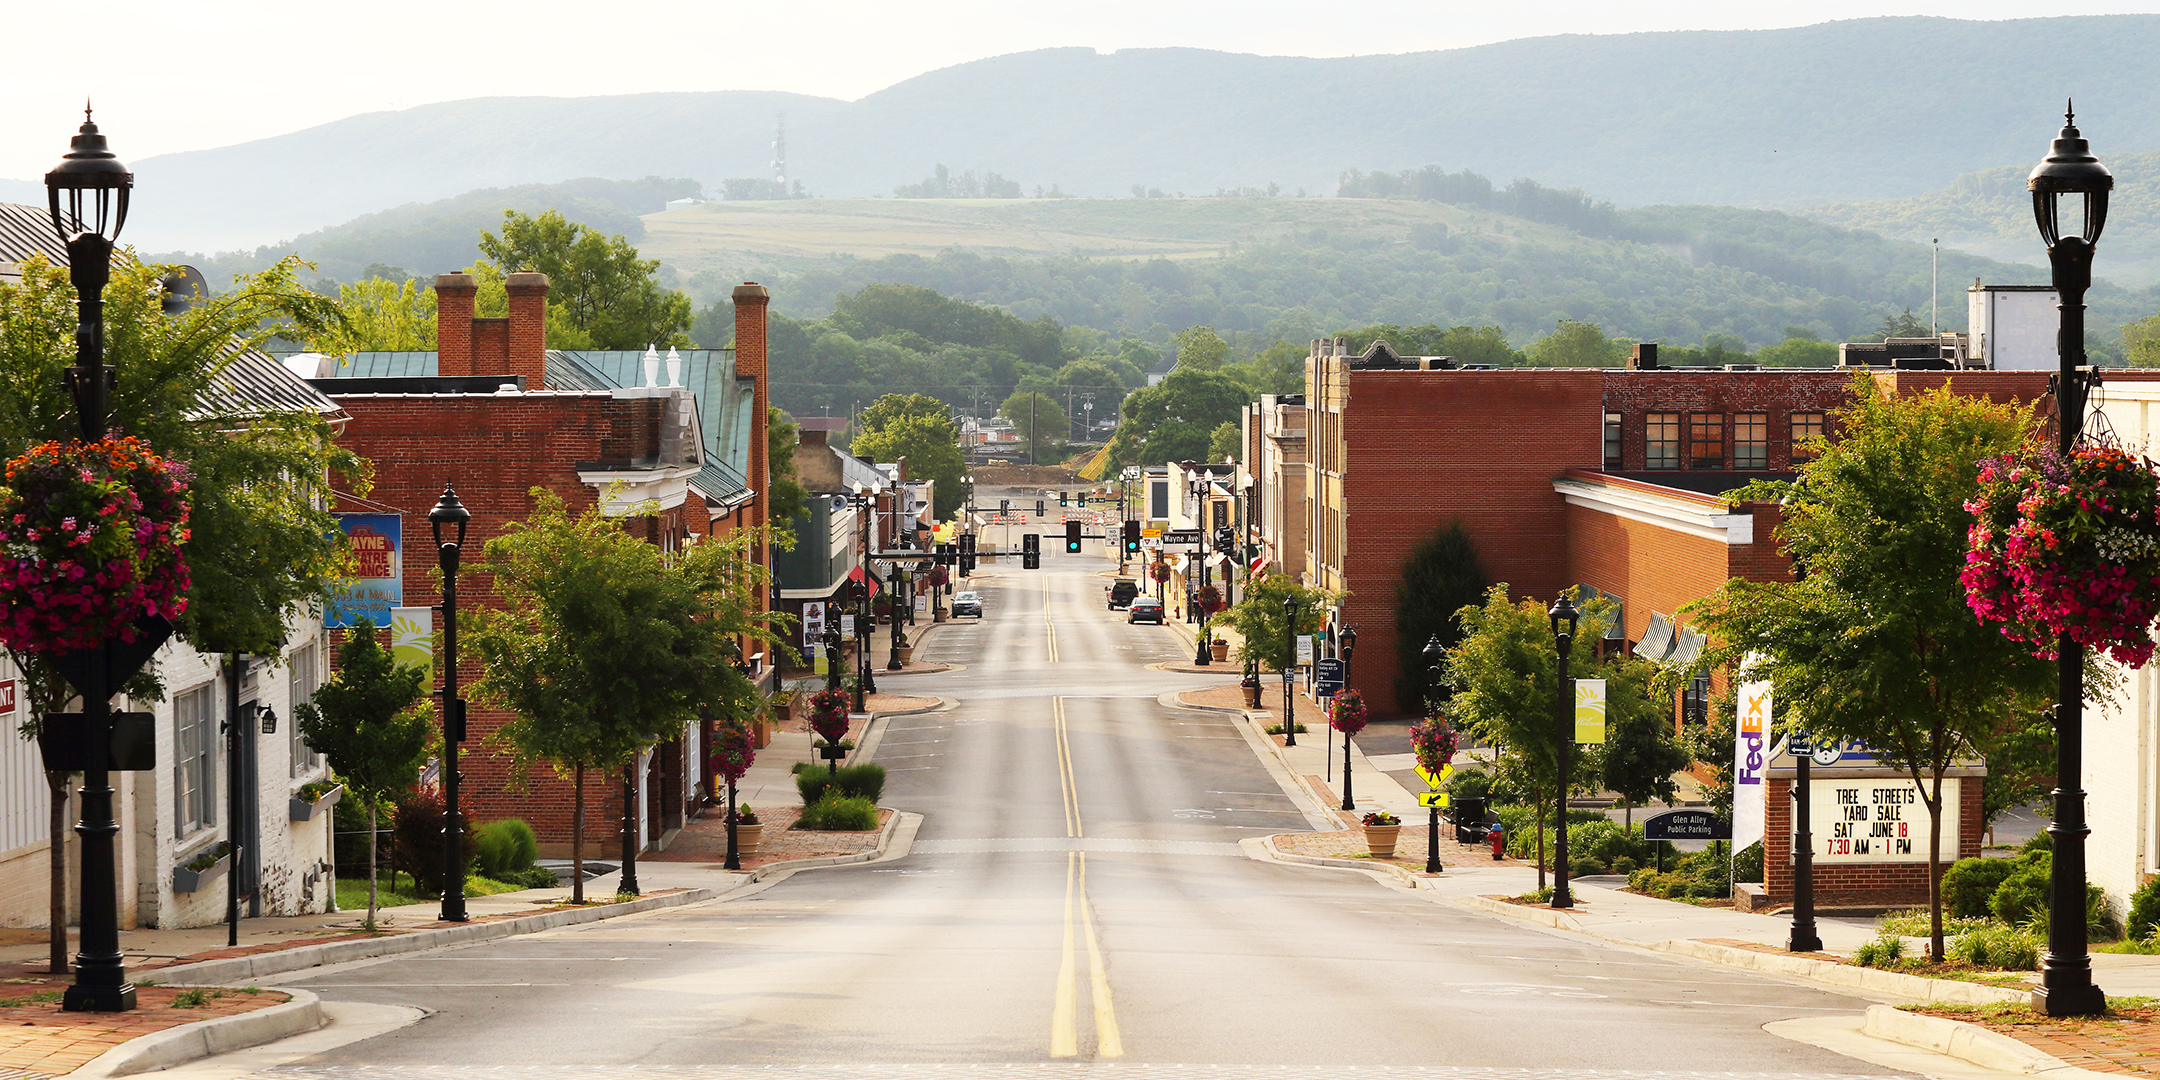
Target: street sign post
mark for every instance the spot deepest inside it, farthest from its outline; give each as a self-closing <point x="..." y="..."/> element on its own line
<point x="1181" y="536"/>
<point x="1328" y="677"/>
<point x="1432" y="798"/>
<point x="1686" y="825"/>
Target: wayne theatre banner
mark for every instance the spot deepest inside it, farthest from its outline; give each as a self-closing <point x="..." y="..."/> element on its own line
<point x="378" y="581"/>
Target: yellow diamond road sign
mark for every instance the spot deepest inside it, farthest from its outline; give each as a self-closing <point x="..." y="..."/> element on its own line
<point x="1434" y="781"/>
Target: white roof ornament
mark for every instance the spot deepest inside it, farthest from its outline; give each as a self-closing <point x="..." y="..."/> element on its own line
<point x="674" y="367"/>
<point x="652" y="366"/>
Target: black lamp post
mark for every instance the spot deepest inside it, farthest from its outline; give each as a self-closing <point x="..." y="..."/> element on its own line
<point x="448" y="521"/>
<point x="899" y="581"/>
<point x="1349" y="641"/>
<point x="87" y="194"/>
<point x="832" y="654"/>
<point x="865" y="621"/>
<point x="1432" y="703"/>
<point x="1289" y="668"/>
<point x="2069" y="182"/>
<point x="1564" y="617"/>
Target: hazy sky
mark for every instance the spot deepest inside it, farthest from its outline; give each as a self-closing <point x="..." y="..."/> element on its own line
<point x="184" y="76"/>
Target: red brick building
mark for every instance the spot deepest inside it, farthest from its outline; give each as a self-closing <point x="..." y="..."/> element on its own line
<point x="676" y="445"/>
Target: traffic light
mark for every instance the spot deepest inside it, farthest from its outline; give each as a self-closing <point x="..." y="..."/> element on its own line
<point x="1040" y="508"/>
<point x="1132" y="537"/>
<point x="967" y="554"/>
<point x="1030" y="551"/>
<point x="948" y="555"/>
<point x="1004" y="507"/>
<point x="1072" y="538"/>
<point x="1083" y="499"/>
<point x="1064" y="498"/>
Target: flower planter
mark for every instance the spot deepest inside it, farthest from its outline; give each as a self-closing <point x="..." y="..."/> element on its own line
<point x="937" y="615"/>
<point x="1252" y="696"/>
<point x="1380" y="840"/>
<point x="303" y="810"/>
<point x="907" y="654"/>
<point x="746" y="837"/>
<point x="1220" y="650"/>
<point x="185" y="880"/>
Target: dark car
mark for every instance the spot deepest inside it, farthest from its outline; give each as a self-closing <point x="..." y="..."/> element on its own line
<point x="1144" y="609"/>
<point x="967" y="603"/>
<point x="1122" y="592"/>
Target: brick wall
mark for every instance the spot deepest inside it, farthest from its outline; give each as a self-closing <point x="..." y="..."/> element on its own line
<point x="1650" y="568"/>
<point x="1778" y="394"/>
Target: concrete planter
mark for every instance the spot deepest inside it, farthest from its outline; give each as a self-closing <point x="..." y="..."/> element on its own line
<point x="746" y="837"/>
<point x="303" y="810"/>
<point x="185" y="880"/>
<point x="1220" y="650"/>
<point x="1380" y="840"/>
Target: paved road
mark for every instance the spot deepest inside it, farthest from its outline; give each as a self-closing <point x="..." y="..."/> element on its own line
<point x="1075" y="899"/>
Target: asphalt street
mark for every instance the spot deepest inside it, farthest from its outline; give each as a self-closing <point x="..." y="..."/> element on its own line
<point x="1076" y="900"/>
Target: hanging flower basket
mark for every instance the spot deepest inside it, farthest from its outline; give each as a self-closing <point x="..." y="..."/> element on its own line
<point x="1347" y="713"/>
<point x="1435" y="742"/>
<point x="1210" y="599"/>
<point x="2067" y="545"/>
<point x="734" y="748"/>
<point x="829" y="714"/>
<point x="90" y="539"/>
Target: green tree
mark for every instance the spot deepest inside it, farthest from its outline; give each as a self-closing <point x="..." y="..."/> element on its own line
<point x="891" y="407"/>
<point x="1172" y="420"/>
<point x="371" y="723"/>
<point x="1905" y="324"/>
<point x="2141" y="342"/>
<point x="1467" y="344"/>
<point x="1200" y="348"/>
<point x="1798" y="352"/>
<point x="1641" y="750"/>
<point x="1875" y="642"/>
<point x="931" y="446"/>
<point x="788" y="498"/>
<point x="1506" y="682"/>
<point x="1226" y="442"/>
<point x="600" y="647"/>
<point x="1263" y="626"/>
<point x="1041" y="421"/>
<point x="1090" y="375"/>
<point x="1575" y="344"/>
<point x="1439" y="579"/>
<point x="382" y="315"/>
<point x="597" y="282"/>
<point x="1277" y="369"/>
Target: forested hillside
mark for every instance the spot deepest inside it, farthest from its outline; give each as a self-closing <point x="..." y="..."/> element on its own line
<point x="1832" y="112"/>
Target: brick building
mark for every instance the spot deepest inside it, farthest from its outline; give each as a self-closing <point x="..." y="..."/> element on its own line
<point x="676" y="445"/>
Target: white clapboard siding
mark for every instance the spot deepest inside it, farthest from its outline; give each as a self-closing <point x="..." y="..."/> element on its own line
<point x="23" y="801"/>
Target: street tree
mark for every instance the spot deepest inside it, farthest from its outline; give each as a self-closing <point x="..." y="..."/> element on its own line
<point x="1641" y="751"/>
<point x="1225" y="443"/>
<point x="372" y="723"/>
<point x="1200" y="348"/>
<point x="1439" y="579"/>
<point x="1172" y="420"/>
<point x="788" y="498"/>
<point x="1875" y="643"/>
<point x="1040" y="419"/>
<point x="930" y="444"/>
<point x="1264" y="627"/>
<point x="1506" y="682"/>
<point x="598" y="282"/>
<point x="263" y="542"/>
<point x="600" y="647"/>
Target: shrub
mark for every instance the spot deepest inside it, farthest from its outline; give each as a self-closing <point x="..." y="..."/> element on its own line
<point x="1885" y="951"/>
<point x="1469" y="784"/>
<point x="2024" y="891"/>
<point x="1997" y="946"/>
<point x="811" y="785"/>
<point x="530" y="877"/>
<point x="2100" y="924"/>
<point x="2145" y="910"/>
<point x="504" y="847"/>
<point x="838" y="813"/>
<point x="2041" y="841"/>
<point x="1968" y="887"/>
<point x="1747" y="863"/>
<point x="417" y="842"/>
<point x="865" y="781"/>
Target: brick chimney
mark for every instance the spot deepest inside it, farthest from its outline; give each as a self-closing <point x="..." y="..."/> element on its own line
<point x="453" y="323"/>
<point x="526" y="351"/>
<point x="750" y="301"/>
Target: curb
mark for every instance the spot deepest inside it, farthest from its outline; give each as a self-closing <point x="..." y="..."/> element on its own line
<point x="1558" y="920"/>
<point x="247" y="968"/>
<point x="892" y="825"/>
<point x="1400" y="873"/>
<point x="204" y="1038"/>
<point x="1969" y="1042"/>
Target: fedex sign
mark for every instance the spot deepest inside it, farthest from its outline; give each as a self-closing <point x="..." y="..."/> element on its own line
<point x="1751" y="741"/>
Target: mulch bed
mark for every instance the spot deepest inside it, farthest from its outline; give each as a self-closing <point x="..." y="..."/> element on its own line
<point x="704" y="839"/>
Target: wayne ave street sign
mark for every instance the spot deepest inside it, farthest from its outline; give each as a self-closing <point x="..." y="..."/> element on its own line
<point x="1181" y="536"/>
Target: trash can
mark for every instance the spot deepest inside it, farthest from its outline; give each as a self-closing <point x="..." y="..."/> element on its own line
<point x="1469" y="817"/>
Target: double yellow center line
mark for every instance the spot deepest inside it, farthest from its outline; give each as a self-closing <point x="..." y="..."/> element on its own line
<point x="1064" y="1019"/>
<point x="1049" y="628"/>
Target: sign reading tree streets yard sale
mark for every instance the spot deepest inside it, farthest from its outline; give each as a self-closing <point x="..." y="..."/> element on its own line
<point x="1877" y="820"/>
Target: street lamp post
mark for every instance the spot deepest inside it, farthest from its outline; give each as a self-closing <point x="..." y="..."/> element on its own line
<point x="450" y="514"/>
<point x="1349" y="641"/>
<point x="87" y="194"/>
<point x="899" y="580"/>
<point x="1432" y="704"/>
<point x="832" y="654"/>
<point x="1289" y="664"/>
<point x="2069" y="179"/>
<point x="1564" y="617"/>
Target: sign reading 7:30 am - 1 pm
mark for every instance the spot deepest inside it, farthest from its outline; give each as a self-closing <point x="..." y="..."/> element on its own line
<point x="1877" y="820"/>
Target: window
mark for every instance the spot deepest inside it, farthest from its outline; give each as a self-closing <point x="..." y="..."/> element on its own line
<point x="301" y="690"/>
<point x="1706" y="441"/>
<point x="195" y="760"/>
<point x="1612" y="440"/>
<point x="1695" y="702"/>
<point x="1751" y="440"/>
<point x="1661" y="440"/>
<point x="1805" y="426"/>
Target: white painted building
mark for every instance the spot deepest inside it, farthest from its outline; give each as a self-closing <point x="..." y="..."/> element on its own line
<point x="2122" y="731"/>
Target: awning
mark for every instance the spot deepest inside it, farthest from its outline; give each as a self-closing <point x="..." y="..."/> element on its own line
<point x="857" y="574"/>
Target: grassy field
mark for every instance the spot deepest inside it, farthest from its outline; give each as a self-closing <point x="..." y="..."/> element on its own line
<point x="1091" y="228"/>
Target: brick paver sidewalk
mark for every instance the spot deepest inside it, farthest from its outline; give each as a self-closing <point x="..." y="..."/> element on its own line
<point x="2127" y="1040"/>
<point x="39" y="1039"/>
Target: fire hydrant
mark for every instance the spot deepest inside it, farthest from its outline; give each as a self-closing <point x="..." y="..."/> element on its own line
<point x="1498" y="836"/>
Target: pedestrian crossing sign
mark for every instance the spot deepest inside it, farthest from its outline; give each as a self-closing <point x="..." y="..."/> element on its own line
<point x="1433" y="798"/>
<point x="1434" y="780"/>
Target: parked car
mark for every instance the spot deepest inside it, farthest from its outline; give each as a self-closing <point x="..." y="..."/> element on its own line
<point x="1144" y="609"/>
<point x="1122" y="592"/>
<point x="966" y="603"/>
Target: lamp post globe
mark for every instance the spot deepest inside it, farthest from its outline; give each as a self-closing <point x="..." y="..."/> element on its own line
<point x="2069" y="186"/>
<point x="447" y="521"/>
<point x="1564" y="619"/>
<point x="87" y="194"/>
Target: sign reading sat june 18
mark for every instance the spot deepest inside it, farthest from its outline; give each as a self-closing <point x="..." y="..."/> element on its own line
<point x="378" y="581"/>
<point x="1877" y="820"/>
